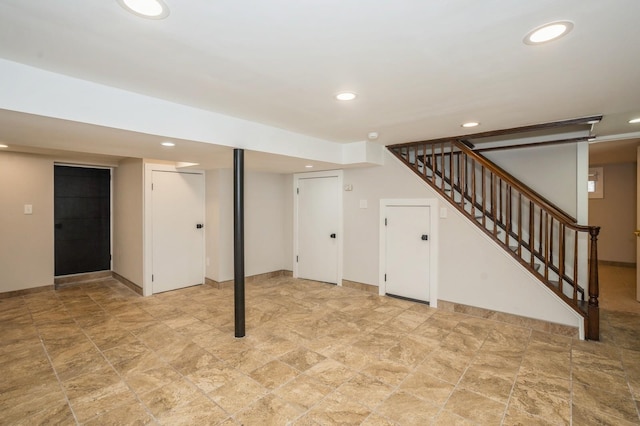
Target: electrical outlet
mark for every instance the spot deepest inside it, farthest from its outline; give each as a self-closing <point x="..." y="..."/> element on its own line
<point x="28" y="209"/>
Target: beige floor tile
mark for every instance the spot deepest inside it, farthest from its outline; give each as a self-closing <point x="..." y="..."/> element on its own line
<point x="302" y="359"/>
<point x="168" y="398"/>
<point x="365" y="390"/>
<point x="404" y="408"/>
<point x="56" y="414"/>
<point x="475" y="407"/>
<point x="199" y="411"/>
<point x="493" y="383"/>
<point x="447" y="418"/>
<point x="335" y="409"/>
<point x="129" y="414"/>
<point x="314" y="354"/>
<point x="597" y="401"/>
<point x="303" y="391"/>
<point x="99" y="401"/>
<point x="235" y="395"/>
<point x="427" y="387"/>
<point x="269" y="410"/>
<point x="543" y="396"/>
<point x="273" y="374"/>
<point x="330" y="372"/>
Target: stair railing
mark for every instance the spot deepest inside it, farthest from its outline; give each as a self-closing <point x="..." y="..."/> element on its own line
<point x="543" y="238"/>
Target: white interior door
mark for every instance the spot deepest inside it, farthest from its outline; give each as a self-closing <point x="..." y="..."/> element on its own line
<point x="408" y="251"/>
<point x="318" y="226"/>
<point x="178" y="242"/>
<point x="638" y="225"/>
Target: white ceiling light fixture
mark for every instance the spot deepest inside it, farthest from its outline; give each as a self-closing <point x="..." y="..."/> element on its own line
<point x="168" y="144"/>
<point x="470" y="124"/>
<point x="150" y="9"/>
<point x="3" y="145"/>
<point x="309" y="166"/>
<point x="346" y="96"/>
<point x="634" y="120"/>
<point x="548" y="32"/>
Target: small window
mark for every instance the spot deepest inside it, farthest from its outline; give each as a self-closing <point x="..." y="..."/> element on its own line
<point x="595" y="185"/>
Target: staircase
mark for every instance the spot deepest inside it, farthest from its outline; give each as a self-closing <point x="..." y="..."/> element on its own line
<point x="544" y="239"/>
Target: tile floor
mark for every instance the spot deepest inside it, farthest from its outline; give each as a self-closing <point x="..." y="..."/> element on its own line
<point x="314" y="354"/>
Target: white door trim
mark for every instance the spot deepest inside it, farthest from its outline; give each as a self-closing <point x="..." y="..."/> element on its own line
<point x="433" y="269"/>
<point x="147" y="285"/>
<point x="311" y="175"/>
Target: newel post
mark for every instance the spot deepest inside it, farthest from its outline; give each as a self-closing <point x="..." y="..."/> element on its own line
<point x="593" y="326"/>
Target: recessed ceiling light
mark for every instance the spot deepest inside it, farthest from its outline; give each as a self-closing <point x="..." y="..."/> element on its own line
<point x="3" y="145"/>
<point x="346" y="96"/>
<point x="152" y="9"/>
<point x="471" y="124"/>
<point x="548" y="32"/>
<point x="309" y="166"/>
<point x="634" y="120"/>
<point x="168" y="144"/>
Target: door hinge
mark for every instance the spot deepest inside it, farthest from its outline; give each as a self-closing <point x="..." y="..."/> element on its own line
<point x="298" y="191"/>
<point x="152" y="187"/>
<point x="296" y="259"/>
<point x="385" y="278"/>
<point x="385" y="221"/>
<point x="151" y="277"/>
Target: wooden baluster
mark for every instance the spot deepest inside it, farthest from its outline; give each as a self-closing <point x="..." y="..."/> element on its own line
<point x="501" y="208"/>
<point x="458" y="163"/>
<point x="463" y="172"/>
<point x="547" y="241"/>
<point x="424" y="160"/>
<point x="551" y="241"/>
<point x="484" y="196"/>
<point x="508" y="227"/>
<point x="532" y="231"/>
<point x="434" y="166"/>
<point x="494" y="181"/>
<point x="593" y="322"/>
<point x="473" y="188"/>
<point x="575" y="266"/>
<point x="442" y="172"/>
<point x="561" y="248"/>
<point x="451" y="170"/>
<point x="540" y="236"/>
<point x="519" y="224"/>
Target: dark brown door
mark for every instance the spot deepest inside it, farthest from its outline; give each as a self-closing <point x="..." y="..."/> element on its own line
<point x="82" y="215"/>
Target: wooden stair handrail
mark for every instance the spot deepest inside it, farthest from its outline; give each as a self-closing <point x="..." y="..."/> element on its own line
<point x="432" y="155"/>
<point x="556" y="211"/>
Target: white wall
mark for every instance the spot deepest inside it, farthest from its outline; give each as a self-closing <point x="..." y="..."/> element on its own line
<point x="616" y="213"/>
<point x="268" y="218"/>
<point x="548" y="170"/>
<point x="26" y="241"/>
<point x="128" y="220"/>
<point x="472" y="269"/>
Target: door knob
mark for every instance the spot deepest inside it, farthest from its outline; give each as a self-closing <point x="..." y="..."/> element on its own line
<point x="424" y="237"/>
<point x="637" y="232"/>
<point x="199" y="226"/>
<point x="332" y="235"/>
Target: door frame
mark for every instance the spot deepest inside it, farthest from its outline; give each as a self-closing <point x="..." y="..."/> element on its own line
<point x="147" y="237"/>
<point x="89" y="166"/>
<point x="434" y="214"/>
<point x="313" y="175"/>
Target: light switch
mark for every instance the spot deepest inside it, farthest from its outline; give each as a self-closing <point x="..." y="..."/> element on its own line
<point x="364" y="204"/>
<point x="28" y="209"/>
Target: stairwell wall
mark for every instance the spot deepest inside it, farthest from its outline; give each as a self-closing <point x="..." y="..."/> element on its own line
<point x="473" y="270"/>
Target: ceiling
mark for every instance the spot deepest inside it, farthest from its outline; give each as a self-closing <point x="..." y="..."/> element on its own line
<point x="419" y="68"/>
